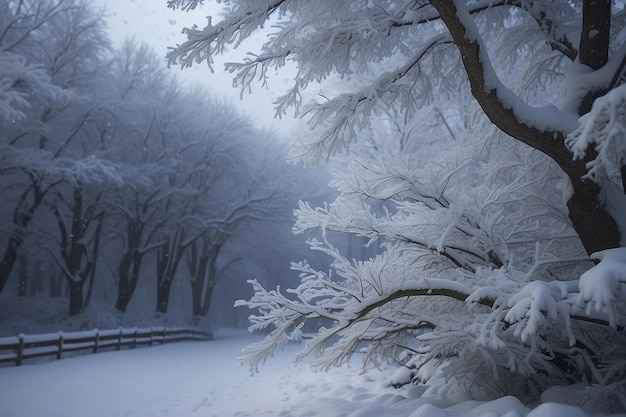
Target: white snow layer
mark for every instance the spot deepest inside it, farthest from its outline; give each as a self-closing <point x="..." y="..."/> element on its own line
<point x="603" y="128"/>
<point x="205" y="379"/>
<point x="602" y="287"/>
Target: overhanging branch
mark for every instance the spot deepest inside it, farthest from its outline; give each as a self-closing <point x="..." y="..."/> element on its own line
<point x="532" y="126"/>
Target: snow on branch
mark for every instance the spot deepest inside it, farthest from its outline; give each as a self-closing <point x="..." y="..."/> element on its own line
<point x="475" y="280"/>
<point x="201" y="45"/>
<point x="359" y="307"/>
<point x="90" y="169"/>
<point x="537" y="305"/>
<point x="346" y="114"/>
<point x="255" y="68"/>
<point x="560" y="36"/>
<point x="345" y="306"/>
<point x="19" y="80"/>
<point x="400" y="180"/>
<point x="186" y="5"/>
<point x="418" y="212"/>
<point x="537" y="127"/>
<point x="603" y="128"/>
<point x="603" y="287"/>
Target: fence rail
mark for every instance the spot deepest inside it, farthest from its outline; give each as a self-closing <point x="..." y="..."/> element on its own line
<point x="20" y="348"/>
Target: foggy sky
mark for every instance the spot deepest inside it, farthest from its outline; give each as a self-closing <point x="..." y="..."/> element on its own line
<point x="152" y="22"/>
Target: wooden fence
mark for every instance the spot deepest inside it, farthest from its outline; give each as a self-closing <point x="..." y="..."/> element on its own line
<point x="19" y="348"/>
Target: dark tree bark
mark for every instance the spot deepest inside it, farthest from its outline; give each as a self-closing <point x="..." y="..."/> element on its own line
<point x="76" y="296"/>
<point x="202" y="263"/>
<point x="91" y="274"/>
<point x="594" y="44"/>
<point x="78" y="249"/>
<point x="594" y="39"/>
<point x="130" y="264"/>
<point x="30" y="200"/>
<point x="23" y="277"/>
<point x="128" y="276"/>
<point x="169" y="255"/>
<point x="163" y="298"/>
<point x="138" y="238"/>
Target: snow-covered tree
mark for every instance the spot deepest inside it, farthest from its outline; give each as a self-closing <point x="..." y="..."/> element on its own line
<point x="337" y="38"/>
<point x="485" y="247"/>
<point x="195" y="182"/>
<point x="120" y="184"/>
<point x="79" y="243"/>
<point x="52" y="55"/>
<point x="238" y="211"/>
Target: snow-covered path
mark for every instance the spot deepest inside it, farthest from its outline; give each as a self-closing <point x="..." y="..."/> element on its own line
<point x="204" y="379"/>
<point x="178" y="379"/>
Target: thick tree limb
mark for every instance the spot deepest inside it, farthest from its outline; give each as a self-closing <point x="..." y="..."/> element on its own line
<point x="543" y="129"/>
<point x="501" y="105"/>
<point x="538" y="13"/>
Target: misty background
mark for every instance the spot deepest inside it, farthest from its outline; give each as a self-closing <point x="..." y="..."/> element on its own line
<point x="134" y="194"/>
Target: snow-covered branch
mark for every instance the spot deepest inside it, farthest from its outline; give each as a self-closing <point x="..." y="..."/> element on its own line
<point x="202" y="45"/>
<point x="346" y="114"/>
<point x="603" y="128"/>
<point x="538" y="127"/>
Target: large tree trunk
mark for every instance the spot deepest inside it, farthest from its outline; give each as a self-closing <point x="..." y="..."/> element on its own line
<point x="163" y="297"/>
<point x="593" y="223"/>
<point x="169" y="255"/>
<point x="23" y="277"/>
<point x="128" y="278"/>
<point x="76" y="297"/>
<point x="123" y="297"/>
<point x="9" y="257"/>
<point x="202" y="292"/>
<point x="202" y="264"/>
<point x="595" y="35"/>
<point x="589" y="215"/>
<point x="22" y="216"/>
<point x="78" y="250"/>
<point x="208" y="296"/>
<point x="197" y="284"/>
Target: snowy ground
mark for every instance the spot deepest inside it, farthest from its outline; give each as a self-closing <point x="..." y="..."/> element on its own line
<point x="204" y="379"/>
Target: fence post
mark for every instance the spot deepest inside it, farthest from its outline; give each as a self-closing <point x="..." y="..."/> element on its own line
<point x="60" y="346"/>
<point x="134" y="345"/>
<point x="96" y="342"/>
<point x="119" y="339"/>
<point x="20" y="350"/>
